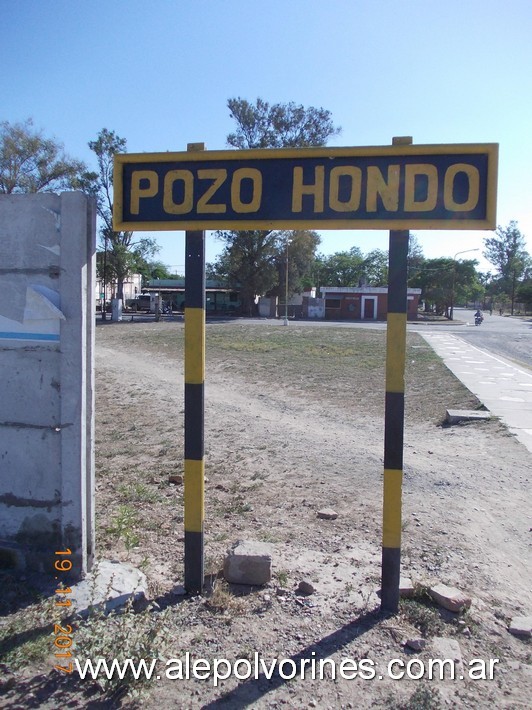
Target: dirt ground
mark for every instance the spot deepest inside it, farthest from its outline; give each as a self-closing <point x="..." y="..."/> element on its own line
<point x="294" y="424"/>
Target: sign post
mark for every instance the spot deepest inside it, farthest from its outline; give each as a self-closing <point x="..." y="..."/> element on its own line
<point x="194" y="478"/>
<point x="394" y="415"/>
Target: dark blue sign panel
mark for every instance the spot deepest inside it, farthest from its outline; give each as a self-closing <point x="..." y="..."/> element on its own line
<point x="395" y="187"/>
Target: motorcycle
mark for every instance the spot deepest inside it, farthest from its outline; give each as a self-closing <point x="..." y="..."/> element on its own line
<point x="478" y="319"/>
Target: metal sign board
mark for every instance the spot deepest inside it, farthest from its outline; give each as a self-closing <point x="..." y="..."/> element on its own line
<point x="388" y="187"/>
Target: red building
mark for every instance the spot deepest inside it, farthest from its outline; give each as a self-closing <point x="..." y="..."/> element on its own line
<point x="363" y="302"/>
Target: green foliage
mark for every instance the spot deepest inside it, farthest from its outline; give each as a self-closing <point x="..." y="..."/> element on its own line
<point x="247" y="262"/>
<point x="344" y="268"/>
<point x="29" y="162"/>
<point x="423" y="614"/>
<point x="352" y="268"/>
<point x="506" y="251"/>
<point x="445" y="282"/>
<point x="376" y="268"/>
<point x="154" y="270"/>
<point x="121" y="635"/>
<point x="288" y="125"/>
<point x="425" y="697"/>
<point x="255" y="261"/>
<point x="121" y="254"/>
<point x="123" y="524"/>
<point x="524" y="293"/>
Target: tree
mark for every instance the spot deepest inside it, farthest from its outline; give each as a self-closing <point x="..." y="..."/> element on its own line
<point x="415" y="258"/>
<point x="29" y="162"/>
<point x="343" y="268"/>
<point x="121" y="254"/>
<point x="444" y="281"/>
<point x="524" y="293"/>
<point x="255" y="260"/>
<point x="507" y="252"/>
<point x="151" y="270"/>
<point x="247" y="262"/>
<point x="376" y="268"/>
<point x="279" y="126"/>
<point x="295" y="252"/>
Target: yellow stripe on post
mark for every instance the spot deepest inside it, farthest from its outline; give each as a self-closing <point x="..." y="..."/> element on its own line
<point x="395" y="352"/>
<point x="391" y="533"/>
<point x="194" y="495"/>
<point x="194" y="346"/>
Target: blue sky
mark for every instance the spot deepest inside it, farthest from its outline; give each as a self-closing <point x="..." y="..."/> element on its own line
<point x="160" y="73"/>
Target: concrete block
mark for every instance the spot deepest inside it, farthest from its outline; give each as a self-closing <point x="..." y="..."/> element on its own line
<point x="521" y="626"/>
<point x="450" y="598"/>
<point x="47" y="252"/>
<point x="462" y="415"/>
<point x="249" y="562"/>
<point x="108" y="587"/>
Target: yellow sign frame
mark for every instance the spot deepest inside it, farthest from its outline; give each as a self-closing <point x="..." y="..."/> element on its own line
<point x="229" y="160"/>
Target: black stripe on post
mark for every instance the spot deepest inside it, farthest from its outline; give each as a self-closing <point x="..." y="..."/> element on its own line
<point x="194" y="421"/>
<point x="394" y="430"/>
<point x="394" y="420"/>
<point x="391" y="575"/>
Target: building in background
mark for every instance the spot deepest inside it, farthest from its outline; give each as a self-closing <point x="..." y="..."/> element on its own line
<point x="363" y="302"/>
<point x="132" y="288"/>
<point x="219" y="299"/>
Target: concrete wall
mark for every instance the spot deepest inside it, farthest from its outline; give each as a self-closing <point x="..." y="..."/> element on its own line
<point x="47" y="276"/>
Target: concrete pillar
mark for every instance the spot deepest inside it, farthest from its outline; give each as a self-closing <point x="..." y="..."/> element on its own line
<point x="47" y="274"/>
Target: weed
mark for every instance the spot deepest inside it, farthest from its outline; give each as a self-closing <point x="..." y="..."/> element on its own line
<point x="120" y="635"/>
<point x="423" y="615"/>
<point x="122" y="525"/>
<point x="269" y="536"/>
<point x="213" y="564"/>
<point x="423" y="698"/>
<point x="25" y="638"/>
<point x="221" y="601"/>
<point x="238" y="505"/>
<point x="138" y="493"/>
<point x="259" y="475"/>
<point x="282" y="577"/>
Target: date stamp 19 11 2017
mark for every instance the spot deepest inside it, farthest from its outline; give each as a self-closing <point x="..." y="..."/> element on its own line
<point x="63" y="632"/>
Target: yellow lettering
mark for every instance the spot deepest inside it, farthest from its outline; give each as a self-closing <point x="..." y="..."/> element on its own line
<point x="218" y="176"/>
<point x="236" y="201"/>
<point x="353" y="201"/>
<point x="431" y="198"/>
<point x="387" y="191"/>
<point x="171" y="207"/>
<point x="315" y="189"/>
<point x="473" y="192"/>
<point x="138" y="192"/>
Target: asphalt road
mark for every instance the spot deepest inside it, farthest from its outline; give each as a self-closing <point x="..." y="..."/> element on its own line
<point x="505" y="336"/>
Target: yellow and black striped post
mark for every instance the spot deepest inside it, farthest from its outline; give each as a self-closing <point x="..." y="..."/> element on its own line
<point x="194" y="406"/>
<point x="394" y="420"/>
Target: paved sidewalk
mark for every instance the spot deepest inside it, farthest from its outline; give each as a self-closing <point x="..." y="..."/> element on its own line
<point x="503" y="387"/>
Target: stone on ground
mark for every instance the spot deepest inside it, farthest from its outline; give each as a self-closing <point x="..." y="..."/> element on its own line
<point x="450" y="598"/>
<point x="466" y="415"/>
<point x="327" y="514"/>
<point x="248" y="562"/>
<point x="108" y="586"/>
<point x="521" y="626"/>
